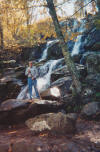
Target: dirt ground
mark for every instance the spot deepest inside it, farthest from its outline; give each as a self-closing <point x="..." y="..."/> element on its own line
<point x="21" y="139"/>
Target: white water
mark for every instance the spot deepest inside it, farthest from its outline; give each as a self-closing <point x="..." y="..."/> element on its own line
<point x="43" y="82"/>
<point x="76" y="48"/>
<point x="48" y="45"/>
<point x="89" y="7"/>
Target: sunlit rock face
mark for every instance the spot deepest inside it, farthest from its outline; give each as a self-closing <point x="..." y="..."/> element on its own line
<point x="57" y="123"/>
<point x="51" y="93"/>
<point x="14" y="111"/>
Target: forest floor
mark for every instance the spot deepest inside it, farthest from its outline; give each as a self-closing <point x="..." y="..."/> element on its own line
<point x="86" y="139"/>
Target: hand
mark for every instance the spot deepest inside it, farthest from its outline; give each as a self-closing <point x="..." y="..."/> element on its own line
<point x="29" y="71"/>
<point x="32" y="78"/>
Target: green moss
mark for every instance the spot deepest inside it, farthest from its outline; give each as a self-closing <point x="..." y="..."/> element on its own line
<point x="97" y="94"/>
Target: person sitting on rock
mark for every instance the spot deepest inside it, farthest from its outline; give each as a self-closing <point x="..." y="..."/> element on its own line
<point x="31" y="72"/>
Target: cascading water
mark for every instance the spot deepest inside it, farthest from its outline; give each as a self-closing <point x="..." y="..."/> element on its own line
<point x="42" y="82"/>
<point x="48" y="45"/>
<point x="91" y="7"/>
<point x="76" y="48"/>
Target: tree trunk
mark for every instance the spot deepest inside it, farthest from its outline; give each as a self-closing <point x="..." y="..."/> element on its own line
<point x="71" y="66"/>
<point x="1" y="36"/>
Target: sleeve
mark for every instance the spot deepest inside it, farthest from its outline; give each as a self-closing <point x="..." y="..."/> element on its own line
<point x="34" y="72"/>
<point x="26" y="72"/>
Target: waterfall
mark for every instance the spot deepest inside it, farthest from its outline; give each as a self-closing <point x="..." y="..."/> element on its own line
<point x="42" y="82"/>
<point x="89" y="7"/>
<point x="48" y="45"/>
<point x="76" y="48"/>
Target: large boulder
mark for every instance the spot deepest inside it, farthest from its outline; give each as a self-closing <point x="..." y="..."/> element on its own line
<point x="93" y="38"/>
<point x="63" y="84"/>
<point x="54" y="52"/>
<point x="52" y="93"/>
<point x="91" y="111"/>
<point x="31" y="53"/>
<point x="59" y="73"/>
<point x="93" y="63"/>
<point x="11" y="80"/>
<point x="64" y="72"/>
<point x="58" y="123"/>
<point x="8" y="63"/>
<point x="93" y="81"/>
<point x="9" y="90"/>
<point x="16" y="111"/>
<point x="62" y="79"/>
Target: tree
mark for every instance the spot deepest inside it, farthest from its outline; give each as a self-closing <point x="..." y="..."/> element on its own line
<point x="1" y="32"/>
<point x="1" y="35"/>
<point x="66" y="54"/>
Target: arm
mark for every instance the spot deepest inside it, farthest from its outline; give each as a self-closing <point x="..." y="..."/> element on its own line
<point x="27" y="71"/>
<point x="34" y="72"/>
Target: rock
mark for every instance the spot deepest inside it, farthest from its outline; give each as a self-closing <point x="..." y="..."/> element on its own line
<point x="12" y="80"/>
<point x="17" y="111"/>
<point x="54" y="52"/>
<point x="62" y="79"/>
<point x="20" y="72"/>
<point x="93" y="38"/>
<point x="76" y="58"/>
<point x="87" y="92"/>
<point x="59" y="73"/>
<point x="52" y="93"/>
<point x="8" y="63"/>
<point x="98" y="5"/>
<point x="9" y="90"/>
<point x="63" y="84"/>
<point x="31" y="53"/>
<point x="91" y="111"/>
<point x="93" y="80"/>
<point x="63" y="72"/>
<point x="93" y="63"/>
<point x="96" y="46"/>
<point x="58" y="123"/>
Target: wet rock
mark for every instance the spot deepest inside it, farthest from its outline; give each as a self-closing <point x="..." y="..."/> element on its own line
<point x="91" y="111"/>
<point x="62" y="79"/>
<point x="57" y="74"/>
<point x="93" y="38"/>
<point x="31" y="53"/>
<point x="8" y="63"/>
<point x="98" y="5"/>
<point x="93" y="63"/>
<point x="76" y="58"/>
<point x="63" y="72"/>
<point x="20" y="72"/>
<point x="9" y="90"/>
<point x="17" y="111"/>
<point x="87" y="92"/>
<point x="12" y="80"/>
<point x="96" y="47"/>
<point x="52" y="93"/>
<point x="54" y="52"/>
<point x="58" y="123"/>
<point x="63" y="84"/>
<point x="93" y="80"/>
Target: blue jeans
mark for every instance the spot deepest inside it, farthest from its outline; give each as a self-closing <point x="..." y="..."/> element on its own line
<point x="34" y="83"/>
